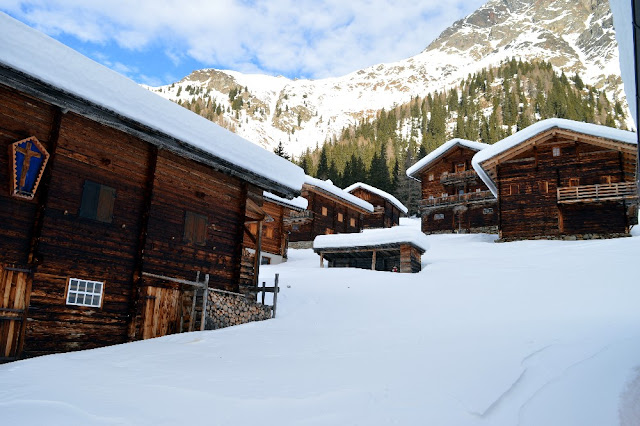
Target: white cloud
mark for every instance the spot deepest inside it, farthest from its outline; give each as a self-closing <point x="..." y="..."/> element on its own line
<point x="307" y="38"/>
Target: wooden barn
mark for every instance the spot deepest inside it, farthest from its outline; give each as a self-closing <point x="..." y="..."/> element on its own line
<point x="273" y="236"/>
<point x="396" y="250"/>
<point x="454" y="198"/>
<point x="331" y="210"/>
<point x="563" y="178"/>
<point x="104" y="187"/>
<point x="387" y="209"/>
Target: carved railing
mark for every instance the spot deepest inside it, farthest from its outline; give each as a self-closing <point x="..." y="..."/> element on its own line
<point x="458" y="177"/>
<point x="596" y="193"/>
<point x="471" y="197"/>
<point x="295" y="216"/>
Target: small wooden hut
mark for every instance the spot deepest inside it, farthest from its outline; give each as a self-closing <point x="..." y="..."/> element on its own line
<point x="563" y="178"/>
<point x="454" y="198"/>
<point x="398" y="249"/>
<point x="331" y="210"/>
<point x="387" y="209"/>
<point x="105" y="187"/>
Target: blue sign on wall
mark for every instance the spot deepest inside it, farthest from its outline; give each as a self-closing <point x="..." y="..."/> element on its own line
<point x="29" y="160"/>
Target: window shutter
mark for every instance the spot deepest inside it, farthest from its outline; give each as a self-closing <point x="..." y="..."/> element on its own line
<point x="104" y="212"/>
<point x="89" y="203"/>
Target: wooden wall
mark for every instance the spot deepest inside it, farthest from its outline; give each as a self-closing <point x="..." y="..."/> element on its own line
<point x="532" y="210"/>
<point x="447" y="164"/>
<point x="274" y="233"/>
<point x="329" y="223"/>
<point x="385" y="215"/>
<point x="478" y="217"/>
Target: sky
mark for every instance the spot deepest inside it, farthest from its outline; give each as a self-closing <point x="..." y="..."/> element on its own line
<point x="158" y="42"/>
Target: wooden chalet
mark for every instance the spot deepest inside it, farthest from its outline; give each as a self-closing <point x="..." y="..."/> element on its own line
<point x="387" y="209"/>
<point x="561" y="177"/>
<point x="454" y="198"/>
<point x="398" y="250"/>
<point x="273" y="236"/>
<point x="331" y="210"/>
<point x="106" y="189"/>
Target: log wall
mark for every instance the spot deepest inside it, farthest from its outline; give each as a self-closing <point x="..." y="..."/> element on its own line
<point x="385" y="215"/>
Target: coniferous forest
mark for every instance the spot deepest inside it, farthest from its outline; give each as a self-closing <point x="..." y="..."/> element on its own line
<point x="487" y="106"/>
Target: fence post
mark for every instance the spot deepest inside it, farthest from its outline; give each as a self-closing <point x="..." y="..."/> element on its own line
<point x="205" y="296"/>
<point x="275" y="295"/>
<point x="263" y="292"/>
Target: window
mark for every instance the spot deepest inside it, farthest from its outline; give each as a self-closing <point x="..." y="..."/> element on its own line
<point x="605" y="180"/>
<point x="444" y="194"/>
<point x="352" y="221"/>
<point x="478" y="190"/>
<point x="264" y="260"/>
<point x="268" y="232"/>
<point x="431" y="197"/>
<point x="253" y="228"/>
<point x="195" y="228"/>
<point x="487" y="211"/>
<point x="461" y="191"/>
<point x="543" y="187"/>
<point x="84" y="292"/>
<point x="97" y="202"/>
<point x="513" y="189"/>
<point x="460" y="167"/>
<point x="328" y="231"/>
<point x="340" y="217"/>
<point x="438" y="216"/>
<point x="296" y="227"/>
<point x="556" y="151"/>
<point x="431" y="177"/>
<point x="574" y="182"/>
<point x="324" y="211"/>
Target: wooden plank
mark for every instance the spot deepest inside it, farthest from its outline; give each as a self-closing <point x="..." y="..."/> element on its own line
<point x="275" y="295"/>
<point x="205" y="296"/>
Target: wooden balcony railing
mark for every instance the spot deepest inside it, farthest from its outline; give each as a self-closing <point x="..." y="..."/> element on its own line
<point x="452" y="178"/>
<point x="295" y="216"/>
<point x="595" y="193"/>
<point x="471" y="197"/>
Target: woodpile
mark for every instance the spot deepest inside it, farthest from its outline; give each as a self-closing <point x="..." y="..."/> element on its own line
<point x="225" y="310"/>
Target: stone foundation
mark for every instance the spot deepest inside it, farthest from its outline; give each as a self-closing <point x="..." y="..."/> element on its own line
<point x="577" y="237"/>
<point x="227" y="309"/>
<point x="479" y="230"/>
<point x="301" y="244"/>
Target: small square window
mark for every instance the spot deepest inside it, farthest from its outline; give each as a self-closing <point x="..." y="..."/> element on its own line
<point x="340" y="217"/>
<point x="431" y="176"/>
<point x="195" y="228"/>
<point x="487" y="211"/>
<point x="513" y="189"/>
<point x="97" y="202"/>
<point x="543" y="187"/>
<point x="444" y="194"/>
<point x="324" y="211"/>
<point x="268" y="232"/>
<point x="265" y="260"/>
<point x="438" y="216"/>
<point x="84" y="293"/>
<point x="556" y="151"/>
<point x="328" y="231"/>
<point x="605" y="180"/>
<point x="574" y="182"/>
<point x="352" y="222"/>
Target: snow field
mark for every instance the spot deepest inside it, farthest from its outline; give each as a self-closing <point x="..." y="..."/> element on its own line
<point x="523" y="333"/>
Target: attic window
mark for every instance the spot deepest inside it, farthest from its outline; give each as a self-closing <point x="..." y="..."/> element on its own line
<point x="84" y="292"/>
<point x="97" y="202"/>
<point x="431" y="177"/>
<point x="460" y="167"/>
<point x="324" y="211"/>
<point x="195" y="228"/>
<point x="340" y="217"/>
<point x="556" y="151"/>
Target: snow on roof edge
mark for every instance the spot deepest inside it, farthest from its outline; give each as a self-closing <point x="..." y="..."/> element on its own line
<point x="42" y="58"/>
<point x="338" y="192"/>
<point x="393" y="200"/>
<point x="373" y="237"/>
<point x="540" y="127"/>
<point x="298" y="203"/>
<point x="441" y="150"/>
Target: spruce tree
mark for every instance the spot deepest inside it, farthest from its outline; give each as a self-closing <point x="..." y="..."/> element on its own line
<point x="323" y="165"/>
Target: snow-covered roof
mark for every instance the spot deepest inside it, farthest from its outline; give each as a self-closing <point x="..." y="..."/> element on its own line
<point x="373" y="238"/>
<point x="44" y="59"/>
<point x="434" y="155"/>
<point x="539" y="127"/>
<point x="298" y="203"/>
<point x="622" y="14"/>
<point x="329" y="187"/>
<point x="393" y="200"/>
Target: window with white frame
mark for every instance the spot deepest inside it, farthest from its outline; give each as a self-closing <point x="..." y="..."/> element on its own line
<point x="556" y="151"/>
<point x="438" y="216"/>
<point x="85" y="292"/>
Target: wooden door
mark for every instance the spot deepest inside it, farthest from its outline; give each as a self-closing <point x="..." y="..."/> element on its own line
<point x="160" y="315"/>
<point x="15" y="291"/>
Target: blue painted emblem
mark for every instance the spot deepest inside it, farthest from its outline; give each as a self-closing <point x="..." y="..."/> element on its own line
<point x="30" y="159"/>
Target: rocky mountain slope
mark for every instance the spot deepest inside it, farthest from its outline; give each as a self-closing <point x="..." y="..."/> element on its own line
<point x="576" y="36"/>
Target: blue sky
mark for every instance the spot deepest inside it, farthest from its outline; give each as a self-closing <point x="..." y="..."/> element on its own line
<point x="159" y="42"/>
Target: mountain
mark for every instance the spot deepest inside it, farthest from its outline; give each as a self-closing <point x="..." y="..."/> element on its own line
<point x="575" y="36"/>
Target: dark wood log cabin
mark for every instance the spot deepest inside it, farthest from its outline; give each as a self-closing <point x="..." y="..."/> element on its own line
<point x="387" y="209"/>
<point x="331" y="210"/>
<point x="454" y="198"/>
<point x="560" y="177"/>
<point x="132" y="185"/>
<point x="274" y="235"/>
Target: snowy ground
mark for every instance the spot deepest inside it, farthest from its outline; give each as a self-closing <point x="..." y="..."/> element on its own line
<point x="525" y="333"/>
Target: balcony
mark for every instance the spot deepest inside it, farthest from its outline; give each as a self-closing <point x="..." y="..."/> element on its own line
<point x="597" y="193"/>
<point x="458" y="177"/>
<point x="298" y="217"/>
<point x="471" y="197"/>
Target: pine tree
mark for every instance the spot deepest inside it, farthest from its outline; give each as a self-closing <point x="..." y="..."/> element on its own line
<point x="279" y="150"/>
<point x="323" y="165"/>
